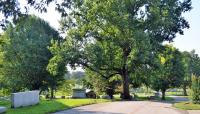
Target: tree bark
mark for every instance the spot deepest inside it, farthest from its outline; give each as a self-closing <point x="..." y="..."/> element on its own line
<point x="52" y="93"/>
<point x="125" y="76"/>
<point x="35" y="87"/>
<point x="126" y="92"/>
<point x="184" y="90"/>
<point x="163" y="94"/>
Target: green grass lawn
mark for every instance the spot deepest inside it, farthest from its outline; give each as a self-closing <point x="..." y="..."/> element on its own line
<point x="174" y="93"/>
<point x="168" y="99"/>
<point x="187" y="106"/>
<point x="145" y="96"/>
<point x="47" y="106"/>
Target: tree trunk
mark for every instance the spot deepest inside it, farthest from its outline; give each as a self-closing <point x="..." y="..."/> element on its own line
<point x="126" y="93"/>
<point x="52" y="93"/>
<point x="147" y="91"/>
<point x="125" y="77"/>
<point x="184" y="90"/>
<point x="35" y="86"/>
<point x="163" y="94"/>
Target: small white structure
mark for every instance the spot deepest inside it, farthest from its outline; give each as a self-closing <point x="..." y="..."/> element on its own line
<point x="3" y="109"/>
<point x="105" y="97"/>
<point x="79" y="93"/>
<point x="157" y="94"/>
<point x="22" y="99"/>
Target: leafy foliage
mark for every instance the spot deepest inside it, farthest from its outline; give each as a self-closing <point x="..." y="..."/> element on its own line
<point x="100" y="84"/>
<point x="195" y="89"/>
<point x="170" y="72"/>
<point x="114" y="37"/>
<point x="13" y="10"/>
<point x="25" y="55"/>
<point x="186" y="61"/>
<point x="109" y="37"/>
<point x="66" y="87"/>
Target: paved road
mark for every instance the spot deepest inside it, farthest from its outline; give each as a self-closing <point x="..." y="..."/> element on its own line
<point x="194" y="111"/>
<point x="180" y="98"/>
<point x="126" y="107"/>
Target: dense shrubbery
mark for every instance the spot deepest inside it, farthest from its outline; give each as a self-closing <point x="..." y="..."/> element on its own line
<point x="66" y="88"/>
<point x="24" y="56"/>
<point x="195" y="89"/>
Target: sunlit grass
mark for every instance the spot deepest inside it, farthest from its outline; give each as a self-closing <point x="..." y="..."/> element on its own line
<point x="187" y="106"/>
<point x="48" y="106"/>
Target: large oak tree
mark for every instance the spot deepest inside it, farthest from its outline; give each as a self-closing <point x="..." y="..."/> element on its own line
<point x="113" y="36"/>
<point x="110" y="36"/>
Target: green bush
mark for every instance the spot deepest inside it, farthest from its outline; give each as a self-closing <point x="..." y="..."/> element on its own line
<point x="65" y="89"/>
<point x="196" y="89"/>
<point x="4" y="92"/>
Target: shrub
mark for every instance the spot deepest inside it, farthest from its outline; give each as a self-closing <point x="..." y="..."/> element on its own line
<point x="196" y="89"/>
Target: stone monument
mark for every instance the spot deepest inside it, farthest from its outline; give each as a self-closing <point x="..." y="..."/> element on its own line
<point x="22" y="99"/>
<point x="3" y="109"/>
<point x="79" y="93"/>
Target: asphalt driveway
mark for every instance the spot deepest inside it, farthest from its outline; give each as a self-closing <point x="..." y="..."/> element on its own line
<point x="126" y="107"/>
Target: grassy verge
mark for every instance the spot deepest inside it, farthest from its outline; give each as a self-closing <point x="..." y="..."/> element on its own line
<point x="174" y="93"/>
<point x="187" y="106"/>
<point x="168" y="99"/>
<point x="142" y="97"/>
<point x="48" y="106"/>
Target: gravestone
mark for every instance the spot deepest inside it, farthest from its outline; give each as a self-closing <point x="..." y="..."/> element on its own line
<point x="105" y="97"/>
<point x="79" y="93"/>
<point x="22" y="99"/>
<point x="3" y="109"/>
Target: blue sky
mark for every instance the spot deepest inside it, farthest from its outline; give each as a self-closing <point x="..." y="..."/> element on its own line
<point x="191" y="38"/>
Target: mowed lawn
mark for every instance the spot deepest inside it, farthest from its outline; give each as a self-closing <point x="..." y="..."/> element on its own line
<point x="48" y="106"/>
<point x="187" y="106"/>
